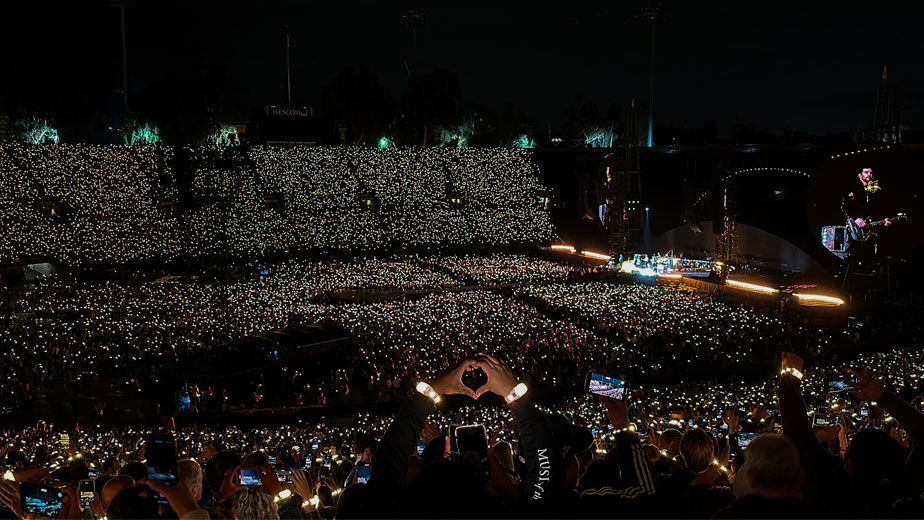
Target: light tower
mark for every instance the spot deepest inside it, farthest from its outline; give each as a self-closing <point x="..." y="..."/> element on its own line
<point x="653" y="14"/>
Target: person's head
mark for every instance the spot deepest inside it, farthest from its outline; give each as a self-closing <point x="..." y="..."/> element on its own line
<point x="866" y="174"/>
<point x="253" y="503"/>
<point x="113" y="487"/>
<point x="354" y="503"/>
<point x="217" y="466"/>
<point x="652" y="454"/>
<point x="111" y="466"/>
<point x="670" y="442"/>
<point x="874" y="456"/>
<point x="772" y="468"/>
<point x="16" y="459"/>
<point x="697" y="449"/>
<point x="504" y="454"/>
<point x="133" y="502"/>
<point x="136" y="470"/>
<point x="191" y="471"/>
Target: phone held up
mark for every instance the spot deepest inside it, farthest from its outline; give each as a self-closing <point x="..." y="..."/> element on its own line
<point x="611" y="387"/>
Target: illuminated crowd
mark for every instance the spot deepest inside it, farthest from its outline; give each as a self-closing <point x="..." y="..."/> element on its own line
<point x="89" y="204"/>
<point x="661" y="419"/>
<point x="664" y="328"/>
<point x="552" y="330"/>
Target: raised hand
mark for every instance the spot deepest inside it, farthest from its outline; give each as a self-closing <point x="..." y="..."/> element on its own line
<point x="616" y="411"/>
<point x="228" y="486"/>
<point x="500" y="378"/>
<point x="450" y="381"/>
<point x="866" y="387"/>
<point x="9" y="497"/>
<point x="303" y="484"/>
<point x="269" y="481"/>
<point x="178" y="496"/>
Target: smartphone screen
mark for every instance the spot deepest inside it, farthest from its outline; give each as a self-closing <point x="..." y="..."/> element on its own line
<point x="421" y="446"/>
<point x="363" y="471"/>
<point x="840" y="383"/>
<point x="160" y="455"/>
<point x="745" y="438"/>
<point x="87" y="489"/>
<point x="824" y="420"/>
<point x="249" y="477"/>
<point x="472" y="438"/>
<point x="323" y="473"/>
<point x="40" y="500"/>
<point x="606" y="386"/>
<point x="284" y="474"/>
<point x="308" y="459"/>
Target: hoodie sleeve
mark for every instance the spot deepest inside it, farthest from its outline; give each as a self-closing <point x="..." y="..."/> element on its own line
<point x="545" y="472"/>
<point x="388" y="478"/>
<point x="910" y="419"/>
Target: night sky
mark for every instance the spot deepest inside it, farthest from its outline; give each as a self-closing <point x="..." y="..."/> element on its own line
<point x="810" y="65"/>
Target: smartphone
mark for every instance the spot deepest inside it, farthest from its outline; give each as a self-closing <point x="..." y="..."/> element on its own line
<point x="745" y="438"/>
<point x="821" y="419"/>
<point x="87" y="490"/>
<point x="472" y="438"/>
<point x="271" y="460"/>
<point x="284" y="474"/>
<point x="606" y="386"/>
<point x="864" y="412"/>
<point x="452" y="438"/>
<point x="328" y="461"/>
<point x="308" y="460"/>
<point x="323" y="473"/>
<point x="840" y="384"/>
<point x="315" y="444"/>
<point x="40" y="500"/>
<point x="160" y="455"/>
<point x="421" y="446"/>
<point x="249" y="477"/>
<point x="363" y="471"/>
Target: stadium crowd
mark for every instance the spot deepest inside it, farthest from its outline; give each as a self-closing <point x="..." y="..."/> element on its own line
<point x="87" y="333"/>
<point x="664" y="328"/>
<point x="89" y="204"/>
<point x="781" y="448"/>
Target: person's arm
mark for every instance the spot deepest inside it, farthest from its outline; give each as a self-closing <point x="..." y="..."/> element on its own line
<point x="636" y="474"/>
<point x="388" y="476"/>
<point x="796" y="424"/>
<point x="545" y="472"/>
<point x="869" y="389"/>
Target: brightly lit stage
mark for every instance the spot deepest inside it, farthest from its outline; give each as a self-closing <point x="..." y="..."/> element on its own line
<point x="709" y="276"/>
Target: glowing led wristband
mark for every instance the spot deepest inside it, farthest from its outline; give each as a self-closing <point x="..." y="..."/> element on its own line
<point x="517" y="392"/>
<point x="428" y="391"/>
<point x="719" y="467"/>
<point x="792" y="371"/>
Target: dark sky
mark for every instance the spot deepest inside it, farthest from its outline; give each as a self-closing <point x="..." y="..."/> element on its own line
<point x="811" y="65"/>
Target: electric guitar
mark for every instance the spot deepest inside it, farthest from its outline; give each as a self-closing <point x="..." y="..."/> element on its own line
<point x="862" y="234"/>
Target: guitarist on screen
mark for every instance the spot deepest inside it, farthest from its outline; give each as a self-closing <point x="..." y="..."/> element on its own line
<point x="857" y="206"/>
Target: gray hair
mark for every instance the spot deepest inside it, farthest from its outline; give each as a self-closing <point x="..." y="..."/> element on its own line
<point x="253" y="504"/>
<point x="191" y="471"/>
<point x="773" y="462"/>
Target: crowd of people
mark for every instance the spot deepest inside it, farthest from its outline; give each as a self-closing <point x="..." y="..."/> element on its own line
<point x="84" y="333"/>
<point x="88" y="204"/>
<point x="784" y="447"/>
<point x="668" y="328"/>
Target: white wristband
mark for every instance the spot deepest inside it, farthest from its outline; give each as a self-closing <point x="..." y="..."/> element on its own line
<point x="792" y="371"/>
<point x="428" y="391"/>
<point x="517" y="392"/>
